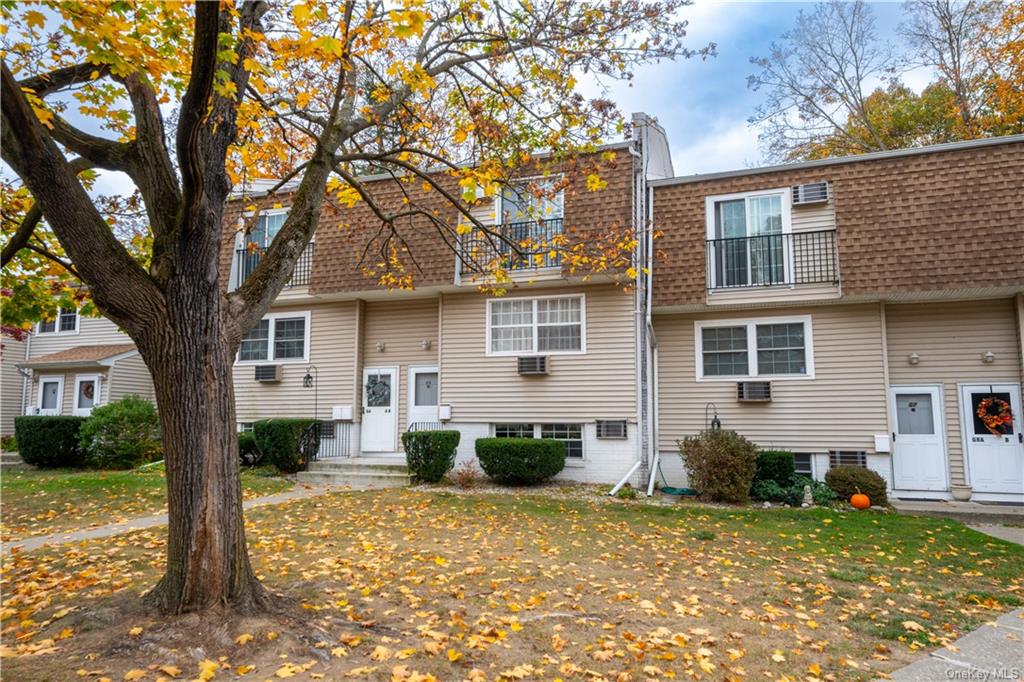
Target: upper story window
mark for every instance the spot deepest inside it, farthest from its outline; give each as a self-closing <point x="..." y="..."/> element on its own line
<point x="746" y="234"/>
<point x="268" y="224"/>
<point x="530" y="200"/>
<point x="764" y="348"/>
<point x="526" y="326"/>
<point x="281" y="337"/>
<point x="66" y="322"/>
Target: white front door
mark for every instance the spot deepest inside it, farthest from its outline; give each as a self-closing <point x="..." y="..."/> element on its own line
<point x="919" y="447"/>
<point x="995" y="451"/>
<point x="423" y="395"/>
<point x="380" y="409"/>
<point x="87" y="394"/>
<point x="51" y="395"/>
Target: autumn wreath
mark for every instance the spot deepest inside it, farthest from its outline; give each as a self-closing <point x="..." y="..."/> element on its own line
<point x="995" y="413"/>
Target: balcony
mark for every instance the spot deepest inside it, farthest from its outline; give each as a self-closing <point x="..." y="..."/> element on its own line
<point x="768" y="260"/>
<point x="246" y="261"/>
<point x="520" y="246"/>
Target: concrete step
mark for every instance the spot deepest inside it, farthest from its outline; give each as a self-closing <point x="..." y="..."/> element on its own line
<point x="356" y="479"/>
<point x="12" y="457"/>
<point x="359" y="465"/>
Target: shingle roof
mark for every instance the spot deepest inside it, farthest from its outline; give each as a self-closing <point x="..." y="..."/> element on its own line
<point x="85" y="355"/>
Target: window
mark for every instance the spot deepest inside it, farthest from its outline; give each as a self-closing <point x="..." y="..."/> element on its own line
<point x="65" y="322"/>
<point x="530" y="200"/>
<point x="847" y="458"/>
<point x="266" y="228"/>
<point x="245" y="427"/>
<point x="513" y="430"/>
<point x="803" y="465"/>
<point x="572" y="434"/>
<point x="522" y="326"/>
<point x="746" y="238"/>
<point x="759" y="348"/>
<point x="277" y="338"/>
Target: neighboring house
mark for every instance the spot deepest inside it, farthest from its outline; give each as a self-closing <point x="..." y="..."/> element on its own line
<point x="13" y="384"/>
<point x="852" y="310"/>
<point x="72" y="364"/>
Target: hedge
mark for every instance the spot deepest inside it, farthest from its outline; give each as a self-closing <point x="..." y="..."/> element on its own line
<point x="288" y="444"/>
<point x="49" y="441"/>
<point x="430" y="454"/>
<point x="775" y="465"/>
<point x="520" y="461"/>
<point x="121" y="435"/>
<point x="248" y="453"/>
<point x="848" y="480"/>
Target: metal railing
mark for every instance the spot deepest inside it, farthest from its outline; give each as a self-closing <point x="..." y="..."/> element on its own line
<point x="427" y="426"/>
<point x="520" y="246"/>
<point x="773" y="259"/>
<point x="247" y="260"/>
<point x="335" y="440"/>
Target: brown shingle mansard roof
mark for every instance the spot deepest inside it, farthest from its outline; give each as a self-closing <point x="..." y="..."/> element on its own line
<point x="81" y="355"/>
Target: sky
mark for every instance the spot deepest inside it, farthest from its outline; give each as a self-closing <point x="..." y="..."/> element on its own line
<point x="704" y="105"/>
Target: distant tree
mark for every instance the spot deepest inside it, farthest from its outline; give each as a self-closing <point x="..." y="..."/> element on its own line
<point x="1004" y="50"/>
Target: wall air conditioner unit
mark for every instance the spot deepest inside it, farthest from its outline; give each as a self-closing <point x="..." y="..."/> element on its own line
<point x="754" y="391"/>
<point x="611" y="429"/>
<point x="267" y="373"/>
<point x="811" y="193"/>
<point x="534" y="365"/>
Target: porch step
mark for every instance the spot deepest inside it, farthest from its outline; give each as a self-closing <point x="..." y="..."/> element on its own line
<point x="358" y="472"/>
<point x="11" y="460"/>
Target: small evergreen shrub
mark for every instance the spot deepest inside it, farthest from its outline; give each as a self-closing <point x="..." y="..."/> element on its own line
<point x="767" y="491"/>
<point x="49" y="441"/>
<point x="248" y="453"/>
<point x="430" y="454"/>
<point x="775" y="465"/>
<point x="121" y="435"/>
<point x="520" y="461"/>
<point x="8" y="443"/>
<point x="288" y="444"/>
<point x="721" y="465"/>
<point x="848" y="480"/>
<point x="792" y="494"/>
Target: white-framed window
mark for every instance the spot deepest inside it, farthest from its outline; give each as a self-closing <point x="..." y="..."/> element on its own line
<point x="747" y="238"/>
<point x="570" y="434"/>
<point x="549" y="325"/>
<point x="803" y="464"/>
<point x="245" y="427"/>
<point x="268" y="224"/>
<point x="278" y="337"/>
<point x="760" y="348"/>
<point x="66" y="322"/>
<point x="530" y="200"/>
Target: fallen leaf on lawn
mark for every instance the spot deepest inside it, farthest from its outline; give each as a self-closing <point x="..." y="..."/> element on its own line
<point x="135" y="674"/>
<point x="243" y="638"/>
<point x="912" y="626"/>
<point x="135" y="632"/>
<point x="453" y="655"/>
<point x="778" y="657"/>
<point x="245" y="669"/>
<point x="171" y="670"/>
<point x="207" y="669"/>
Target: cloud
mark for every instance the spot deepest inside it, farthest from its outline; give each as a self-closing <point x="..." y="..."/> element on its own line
<point x="726" y="146"/>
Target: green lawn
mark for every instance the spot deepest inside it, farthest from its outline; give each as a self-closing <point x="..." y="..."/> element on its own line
<point x="394" y="584"/>
<point x="43" y="501"/>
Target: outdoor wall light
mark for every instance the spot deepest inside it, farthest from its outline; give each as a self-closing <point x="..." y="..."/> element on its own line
<point x="425" y="344"/>
<point x="380" y="346"/>
<point x="988" y="358"/>
<point x="913" y="358"/>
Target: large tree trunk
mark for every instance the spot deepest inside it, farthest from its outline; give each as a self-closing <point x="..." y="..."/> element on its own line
<point x="191" y="361"/>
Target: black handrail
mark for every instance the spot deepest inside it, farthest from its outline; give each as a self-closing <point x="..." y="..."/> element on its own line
<point x="773" y="259"/>
<point x="518" y="245"/>
<point x="248" y="258"/>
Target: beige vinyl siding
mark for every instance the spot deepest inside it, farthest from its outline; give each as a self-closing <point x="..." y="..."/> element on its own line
<point x="950" y="339"/>
<point x="92" y="331"/>
<point x="842" y="407"/>
<point x="12" y="383"/>
<point x="402" y="325"/>
<point x="332" y="342"/>
<point x="130" y="376"/>
<point x="69" y="375"/>
<point x="813" y="217"/>
<point x="598" y="384"/>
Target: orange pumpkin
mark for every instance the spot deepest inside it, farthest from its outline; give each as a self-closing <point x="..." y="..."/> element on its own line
<point x="860" y="501"/>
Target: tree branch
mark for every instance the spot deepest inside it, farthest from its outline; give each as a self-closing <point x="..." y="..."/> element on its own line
<point x="58" y="79"/>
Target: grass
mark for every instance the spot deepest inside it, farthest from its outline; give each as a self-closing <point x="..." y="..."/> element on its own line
<point x="390" y="583"/>
<point x="43" y="501"/>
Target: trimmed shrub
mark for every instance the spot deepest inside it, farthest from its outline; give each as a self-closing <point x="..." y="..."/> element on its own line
<point x="767" y="491"/>
<point x="288" y="444"/>
<point x="775" y="465"/>
<point x="248" y="453"/>
<point x="721" y="465"/>
<point x="49" y="441"/>
<point x="520" y="461"/>
<point x="848" y="480"/>
<point x="430" y="454"/>
<point x="121" y="435"/>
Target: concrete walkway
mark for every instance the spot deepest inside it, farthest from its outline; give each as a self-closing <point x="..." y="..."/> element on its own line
<point x="995" y="651"/>
<point x="299" y="492"/>
<point x="968" y="512"/>
<point x="1008" y="533"/>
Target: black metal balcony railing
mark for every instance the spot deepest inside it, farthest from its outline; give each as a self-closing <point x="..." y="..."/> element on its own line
<point x="520" y="246"/>
<point x="773" y="259"/>
<point x="248" y="259"/>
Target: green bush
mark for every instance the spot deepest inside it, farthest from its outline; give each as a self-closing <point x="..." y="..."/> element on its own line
<point x="248" y="453"/>
<point x="288" y="444"/>
<point x="848" y="480"/>
<point x="793" y="493"/>
<point x="767" y="491"/>
<point x="720" y="464"/>
<point x="820" y="492"/>
<point x="775" y="465"/>
<point x="520" y="461"/>
<point x="121" y="435"/>
<point x="49" y="441"/>
<point x="8" y="443"/>
<point x="430" y="454"/>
